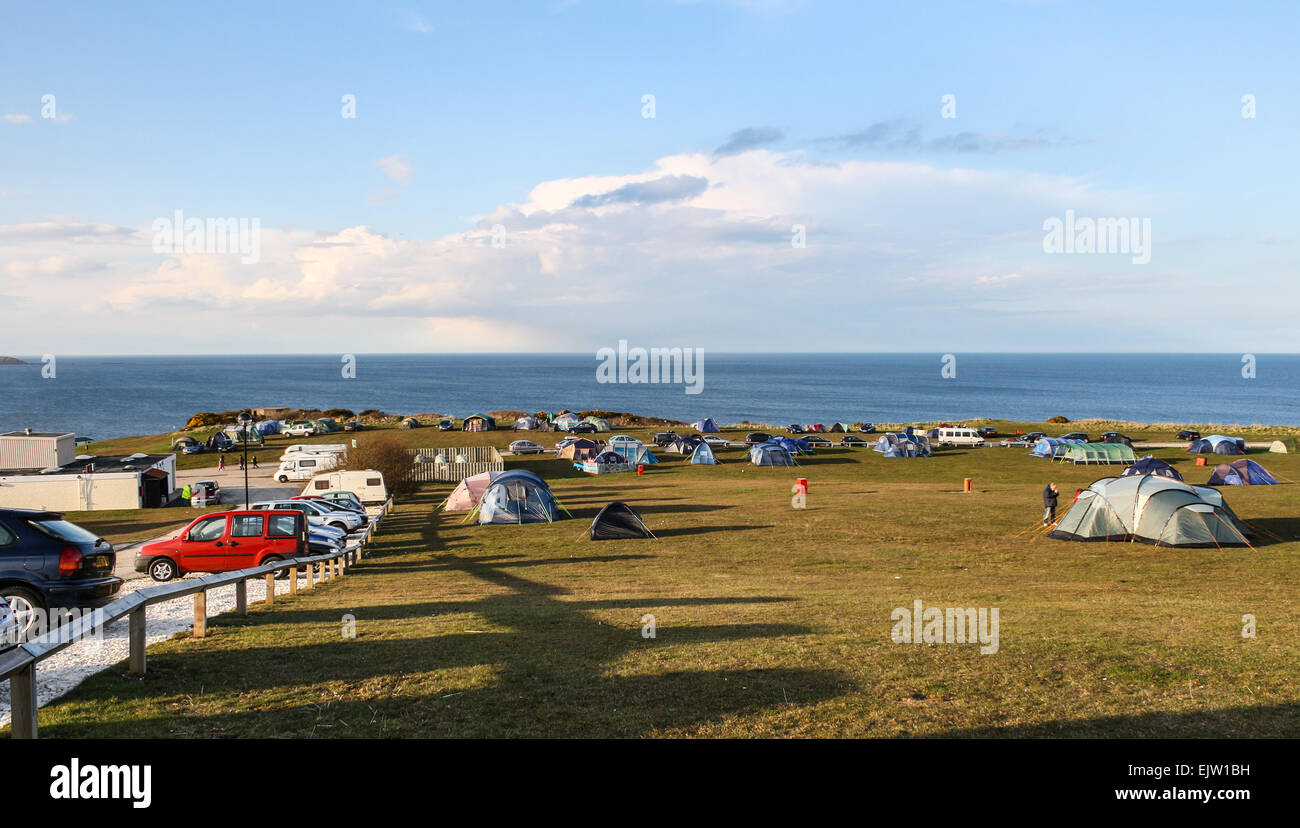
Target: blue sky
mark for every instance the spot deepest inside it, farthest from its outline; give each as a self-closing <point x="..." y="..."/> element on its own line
<point x="923" y="233"/>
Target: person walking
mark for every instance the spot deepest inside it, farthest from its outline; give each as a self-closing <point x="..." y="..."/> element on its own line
<point x="221" y="463"/>
<point x="1050" y="495"/>
<point x="254" y="461"/>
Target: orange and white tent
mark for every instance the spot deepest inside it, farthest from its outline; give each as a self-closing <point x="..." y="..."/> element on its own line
<point x="467" y="495"/>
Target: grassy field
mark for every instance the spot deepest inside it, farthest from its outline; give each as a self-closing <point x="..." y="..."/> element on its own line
<point x="770" y="621"/>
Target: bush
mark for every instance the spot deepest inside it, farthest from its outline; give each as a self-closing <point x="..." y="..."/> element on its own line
<point x="1058" y="419"/>
<point x="339" y="414"/>
<point x="386" y="455"/>
<point x="204" y="419"/>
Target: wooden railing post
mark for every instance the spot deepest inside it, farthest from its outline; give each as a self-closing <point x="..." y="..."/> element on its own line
<point x="22" y="700"/>
<point x="136" y="626"/>
<point x="200" y="614"/>
<point x="293" y="581"/>
<point x="310" y="571"/>
<point x="241" y="597"/>
<point x="270" y="587"/>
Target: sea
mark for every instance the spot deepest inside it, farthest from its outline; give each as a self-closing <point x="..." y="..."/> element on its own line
<point x="102" y="397"/>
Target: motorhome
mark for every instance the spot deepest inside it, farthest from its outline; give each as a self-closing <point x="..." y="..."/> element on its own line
<point x="959" y="437"/>
<point x="367" y="484"/>
<point x="316" y="448"/>
<point x="305" y="466"/>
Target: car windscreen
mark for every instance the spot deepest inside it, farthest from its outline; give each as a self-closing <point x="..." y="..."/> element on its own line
<point x="64" y="531"/>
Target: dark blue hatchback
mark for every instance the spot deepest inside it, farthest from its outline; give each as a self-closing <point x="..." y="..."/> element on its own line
<point x="48" y="563"/>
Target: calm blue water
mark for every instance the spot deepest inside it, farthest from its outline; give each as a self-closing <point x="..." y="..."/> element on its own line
<point x="104" y="397"/>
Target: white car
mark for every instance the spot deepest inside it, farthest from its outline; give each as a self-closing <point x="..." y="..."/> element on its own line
<point x="300" y="430"/>
<point x="959" y="436"/>
<point x="715" y="441"/>
<point x="525" y="447"/>
<point x="316" y="515"/>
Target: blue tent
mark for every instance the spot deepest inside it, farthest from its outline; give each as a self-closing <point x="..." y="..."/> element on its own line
<point x="703" y="456"/>
<point x="267" y="427"/>
<point x="1241" y="472"/>
<point x="1150" y="465"/>
<point x="791" y="445"/>
<point x="770" y="454"/>
<point x="706" y="426"/>
<point x="1050" y="447"/>
<point x="517" y="496"/>
<point x="1218" y="444"/>
<point x="904" y="448"/>
<point x="645" y="457"/>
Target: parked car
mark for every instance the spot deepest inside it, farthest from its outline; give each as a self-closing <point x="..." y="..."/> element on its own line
<point x="868" y="428"/>
<point x="47" y="562"/>
<point x="665" y="438"/>
<point x="1023" y="440"/>
<point x="354" y="425"/>
<point x="525" y="447"/>
<point x="816" y="440"/>
<point x="205" y="492"/>
<point x="446" y="425"/>
<point x="345" y="499"/>
<point x="755" y="437"/>
<point x="316" y="515"/>
<point x="1189" y="434"/>
<point x="583" y="428"/>
<point x="714" y="440"/>
<point x="300" y="429"/>
<point x="1115" y="437"/>
<point x="193" y="448"/>
<point x="1075" y="435"/>
<point x="225" y="541"/>
<point x="988" y="431"/>
<point x="338" y="506"/>
<point x="794" y="428"/>
<point x="852" y="440"/>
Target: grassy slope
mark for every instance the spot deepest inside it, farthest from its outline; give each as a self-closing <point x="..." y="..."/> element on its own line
<point x="771" y="621"/>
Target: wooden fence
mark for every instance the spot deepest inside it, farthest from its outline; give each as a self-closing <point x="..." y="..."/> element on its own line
<point x="453" y="464"/>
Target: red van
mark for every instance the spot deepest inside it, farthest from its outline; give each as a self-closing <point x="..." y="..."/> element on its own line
<point x="225" y="541"/>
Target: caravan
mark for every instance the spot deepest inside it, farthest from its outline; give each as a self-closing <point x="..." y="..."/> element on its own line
<point x="366" y="484"/>
<point x="315" y="448"/>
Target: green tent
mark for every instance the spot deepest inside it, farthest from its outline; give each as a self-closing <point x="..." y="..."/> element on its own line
<point x="1097" y="453"/>
<point x="600" y="423"/>
<point x="1151" y="509"/>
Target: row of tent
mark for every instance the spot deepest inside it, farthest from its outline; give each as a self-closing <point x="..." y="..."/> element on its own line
<point x="518" y="497"/>
<point x="907" y="443"/>
<point x="1241" y="472"/>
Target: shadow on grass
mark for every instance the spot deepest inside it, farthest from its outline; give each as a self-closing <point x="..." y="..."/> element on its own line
<point x="1228" y="723"/>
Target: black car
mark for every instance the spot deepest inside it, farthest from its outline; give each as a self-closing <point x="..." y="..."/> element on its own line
<point x="755" y="437"/>
<point x="1189" y="434"/>
<point x="665" y="438"/>
<point x="446" y="425"/>
<point x="988" y="431"/>
<point x="852" y="440"/>
<point x="583" y="428"/>
<point x="868" y="428"/>
<point x="48" y="563"/>
<point x="1075" y="435"/>
<point x="816" y="440"/>
<point x="1116" y="437"/>
<point x="353" y="425"/>
<point x="794" y="428"/>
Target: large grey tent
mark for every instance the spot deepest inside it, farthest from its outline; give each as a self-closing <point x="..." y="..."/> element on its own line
<point x="518" y="496"/>
<point x="1151" y="509"/>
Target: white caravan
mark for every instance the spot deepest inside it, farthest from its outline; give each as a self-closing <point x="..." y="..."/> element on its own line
<point x="366" y="484"/>
<point x="304" y="466"/>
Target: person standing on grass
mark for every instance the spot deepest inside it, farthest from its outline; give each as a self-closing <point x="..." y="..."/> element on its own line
<point x="1049" y="503"/>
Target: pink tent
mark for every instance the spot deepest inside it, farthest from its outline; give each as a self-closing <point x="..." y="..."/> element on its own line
<point x="466" y="496"/>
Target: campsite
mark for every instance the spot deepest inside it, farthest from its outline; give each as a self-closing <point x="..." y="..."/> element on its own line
<point x="767" y="620"/>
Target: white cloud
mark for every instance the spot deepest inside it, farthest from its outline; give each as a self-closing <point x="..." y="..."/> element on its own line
<point x="397" y="167"/>
<point x="998" y="280"/>
<point x="54" y="266"/>
<point x="18" y="118"/>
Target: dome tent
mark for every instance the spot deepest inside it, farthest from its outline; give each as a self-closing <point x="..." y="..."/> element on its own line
<point x="645" y="457"/>
<point x="525" y="423"/>
<point x="607" y="462"/>
<point x="517" y="496"/>
<point x="706" y="426"/>
<point x="600" y="423"/>
<point x="469" y="492"/>
<point x="1241" y="472"/>
<point x="1050" y="447"/>
<point x="1218" y="444"/>
<point x="1151" y="509"/>
<point x="1150" y="465"/>
<point x="770" y="454"/>
<point x="683" y="445"/>
<point x="703" y="455"/>
<point x="565" y="420"/>
<point x="617" y="521"/>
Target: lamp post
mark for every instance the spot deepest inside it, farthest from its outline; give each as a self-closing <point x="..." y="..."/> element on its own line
<point x="245" y="423"/>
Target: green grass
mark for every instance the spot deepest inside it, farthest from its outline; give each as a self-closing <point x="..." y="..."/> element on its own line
<point x="771" y="621"/>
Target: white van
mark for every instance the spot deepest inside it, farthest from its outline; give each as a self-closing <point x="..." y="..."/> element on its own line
<point x="959" y="437"/>
<point x="366" y="484"/>
<point x="304" y="466"/>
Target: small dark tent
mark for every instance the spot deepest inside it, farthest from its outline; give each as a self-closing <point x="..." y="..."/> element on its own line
<point x="617" y="521"/>
<point x="1218" y="444"/>
<point x="1241" y="472"/>
<point x="1151" y="465"/>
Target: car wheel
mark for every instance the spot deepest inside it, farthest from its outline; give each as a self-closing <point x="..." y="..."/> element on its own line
<point x="162" y="569"/>
<point x="283" y="479"/>
<point x="283" y="574"/>
<point x="339" y="525"/>
<point x="26" y="606"/>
